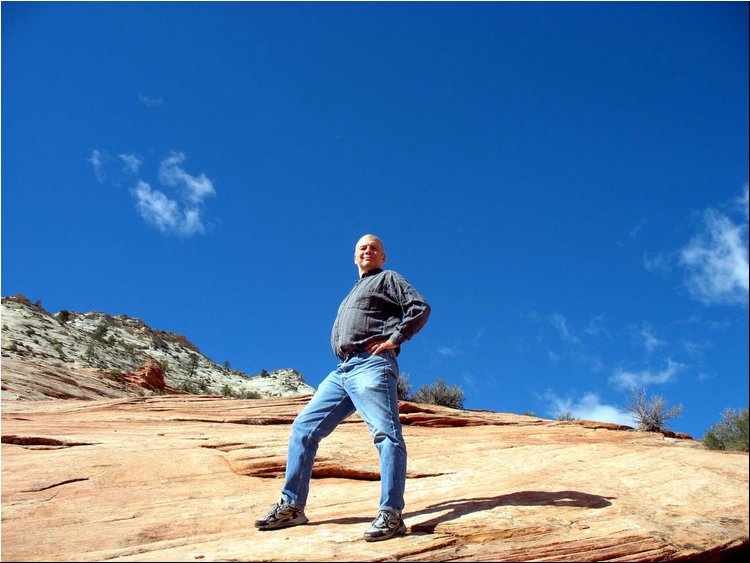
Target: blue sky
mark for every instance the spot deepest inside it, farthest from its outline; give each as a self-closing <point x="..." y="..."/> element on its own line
<point x="566" y="184"/>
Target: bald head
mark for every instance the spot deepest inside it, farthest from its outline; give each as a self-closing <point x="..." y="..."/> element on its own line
<point x="371" y="239"/>
<point x="369" y="254"/>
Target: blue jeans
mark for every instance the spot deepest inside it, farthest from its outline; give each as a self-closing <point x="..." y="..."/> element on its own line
<point x="365" y="383"/>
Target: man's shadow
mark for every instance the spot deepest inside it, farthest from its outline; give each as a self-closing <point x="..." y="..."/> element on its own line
<point x="458" y="508"/>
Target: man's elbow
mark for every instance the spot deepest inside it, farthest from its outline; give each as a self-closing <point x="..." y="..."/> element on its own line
<point x="426" y="312"/>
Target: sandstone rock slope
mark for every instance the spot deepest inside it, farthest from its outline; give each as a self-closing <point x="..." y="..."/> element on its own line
<point x="181" y="478"/>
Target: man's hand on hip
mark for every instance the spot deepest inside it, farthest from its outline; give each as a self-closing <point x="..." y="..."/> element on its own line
<point x="381" y="346"/>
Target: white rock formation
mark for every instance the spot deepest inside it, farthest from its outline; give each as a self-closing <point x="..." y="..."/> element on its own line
<point x="93" y="350"/>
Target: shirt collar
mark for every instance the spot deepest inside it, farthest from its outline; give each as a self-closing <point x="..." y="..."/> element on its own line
<point x="371" y="272"/>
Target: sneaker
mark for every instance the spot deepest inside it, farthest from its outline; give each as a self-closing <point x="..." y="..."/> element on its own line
<point x="282" y="515"/>
<point x="385" y="526"/>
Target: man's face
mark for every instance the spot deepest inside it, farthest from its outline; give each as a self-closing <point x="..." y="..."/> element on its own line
<point x="369" y="254"/>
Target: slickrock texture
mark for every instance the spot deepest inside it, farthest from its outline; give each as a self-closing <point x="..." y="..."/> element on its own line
<point x="181" y="478"/>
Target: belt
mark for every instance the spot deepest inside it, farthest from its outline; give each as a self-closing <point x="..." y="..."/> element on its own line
<point x="346" y="356"/>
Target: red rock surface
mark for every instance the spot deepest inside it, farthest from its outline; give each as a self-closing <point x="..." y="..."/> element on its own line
<point x="149" y="376"/>
<point x="181" y="478"/>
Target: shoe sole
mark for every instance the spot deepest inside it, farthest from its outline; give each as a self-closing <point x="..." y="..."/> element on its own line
<point x="287" y="524"/>
<point x="400" y="531"/>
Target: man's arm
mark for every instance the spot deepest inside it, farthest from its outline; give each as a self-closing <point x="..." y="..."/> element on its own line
<point x="415" y="309"/>
<point x="380" y="346"/>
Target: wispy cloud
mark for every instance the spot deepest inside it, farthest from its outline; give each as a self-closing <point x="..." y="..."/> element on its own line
<point x="180" y="214"/>
<point x="469" y="380"/>
<point x="716" y="258"/>
<point x="597" y="327"/>
<point x="131" y="162"/>
<point x="448" y="351"/>
<point x="637" y="229"/>
<point x="659" y="262"/>
<point x="195" y="188"/>
<point x="561" y="324"/>
<point x="477" y="337"/>
<point x="588" y="407"/>
<point x="743" y="203"/>
<point x="150" y="102"/>
<point x="650" y="341"/>
<point x="165" y="213"/>
<point x="97" y="160"/>
<point x="625" y="379"/>
<point x="114" y="170"/>
<point x="573" y="345"/>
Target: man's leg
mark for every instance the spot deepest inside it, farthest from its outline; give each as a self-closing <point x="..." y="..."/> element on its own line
<point x="372" y="385"/>
<point x="326" y="410"/>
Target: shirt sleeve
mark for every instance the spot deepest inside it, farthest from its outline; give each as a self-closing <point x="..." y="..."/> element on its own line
<point x="415" y="309"/>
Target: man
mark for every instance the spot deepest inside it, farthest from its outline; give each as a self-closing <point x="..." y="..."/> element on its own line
<point x="381" y="312"/>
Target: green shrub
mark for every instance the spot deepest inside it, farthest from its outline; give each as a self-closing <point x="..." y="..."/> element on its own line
<point x="100" y="331"/>
<point x="566" y="415"/>
<point x="650" y="416"/>
<point x="250" y="394"/>
<point x="59" y="349"/>
<point x="90" y="354"/>
<point x="290" y="385"/>
<point x="403" y="387"/>
<point x="189" y="387"/>
<point x="63" y="316"/>
<point x="440" y="393"/>
<point x="193" y="364"/>
<point x="730" y="433"/>
<point x="227" y="391"/>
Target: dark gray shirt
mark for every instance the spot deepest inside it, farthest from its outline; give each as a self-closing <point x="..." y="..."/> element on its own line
<point x="382" y="304"/>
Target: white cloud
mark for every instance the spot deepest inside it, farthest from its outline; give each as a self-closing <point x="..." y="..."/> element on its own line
<point x="195" y="188"/>
<point x="592" y="362"/>
<point x="637" y="229"/>
<point x="114" y="170"/>
<point x="597" y="327"/>
<point x="587" y="407"/>
<point x="468" y="379"/>
<point x="164" y="213"/>
<point x="561" y="324"/>
<point x="97" y="160"/>
<point x="716" y="258"/>
<point x="448" y="351"/>
<point x="657" y="262"/>
<point x="130" y="163"/>
<point x="650" y="341"/>
<point x="477" y="337"/>
<point x="625" y="379"/>
<point x="150" y="102"/>
<point x="180" y="216"/>
<point x="743" y="203"/>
